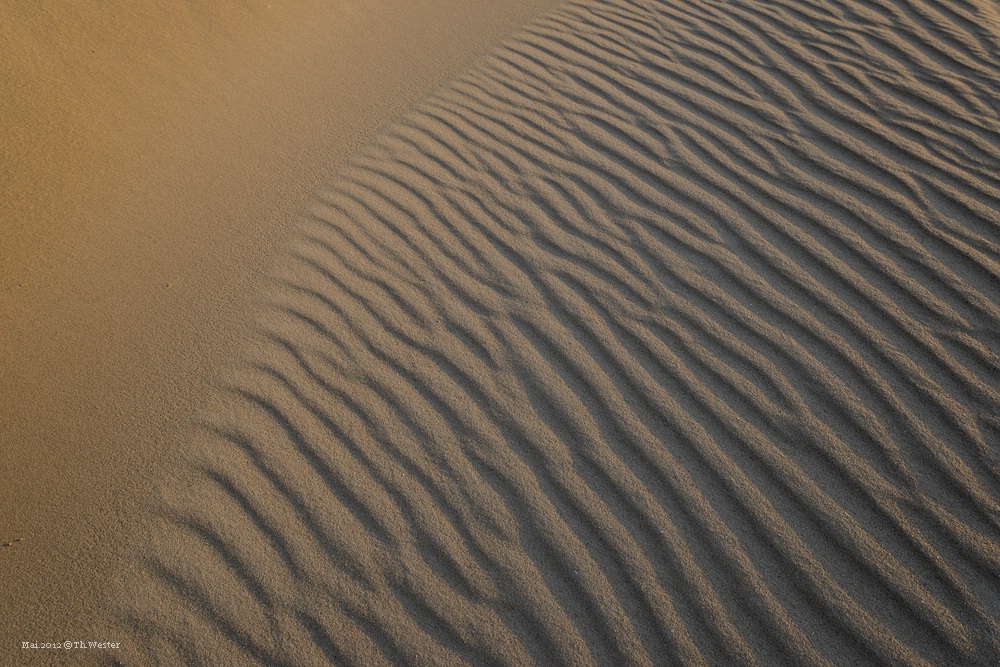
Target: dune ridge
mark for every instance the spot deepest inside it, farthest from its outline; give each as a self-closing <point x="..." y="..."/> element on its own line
<point x="668" y="335"/>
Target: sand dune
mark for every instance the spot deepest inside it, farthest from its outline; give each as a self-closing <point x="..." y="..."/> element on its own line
<point x="669" y="335"/>
<point x="152" y="157"/>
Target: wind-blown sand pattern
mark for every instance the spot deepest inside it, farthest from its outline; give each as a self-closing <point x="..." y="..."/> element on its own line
<point x="668" y="335"/>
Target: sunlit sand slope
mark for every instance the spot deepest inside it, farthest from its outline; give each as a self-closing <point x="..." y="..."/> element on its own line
<point x="669" y="335"/>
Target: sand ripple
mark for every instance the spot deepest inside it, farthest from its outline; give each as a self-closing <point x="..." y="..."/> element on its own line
<point x="668" y="335"/>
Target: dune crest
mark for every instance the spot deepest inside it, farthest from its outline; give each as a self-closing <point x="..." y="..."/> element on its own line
<point x="667" y="336"/>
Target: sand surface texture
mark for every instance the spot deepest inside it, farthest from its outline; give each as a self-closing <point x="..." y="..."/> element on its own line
<point x="152" y="156"/>
<point x="667" y="335"/>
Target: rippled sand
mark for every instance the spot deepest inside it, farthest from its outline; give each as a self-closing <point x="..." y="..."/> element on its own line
<point x="668" y="335"/>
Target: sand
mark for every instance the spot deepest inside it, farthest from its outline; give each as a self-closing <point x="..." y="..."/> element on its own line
<point x="153" y="155"/>
<point x="666" y="334"/>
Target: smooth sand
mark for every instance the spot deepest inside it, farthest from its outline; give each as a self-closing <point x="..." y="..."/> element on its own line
<point x="151" y="159"/>
<point x="666" y="335"/>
